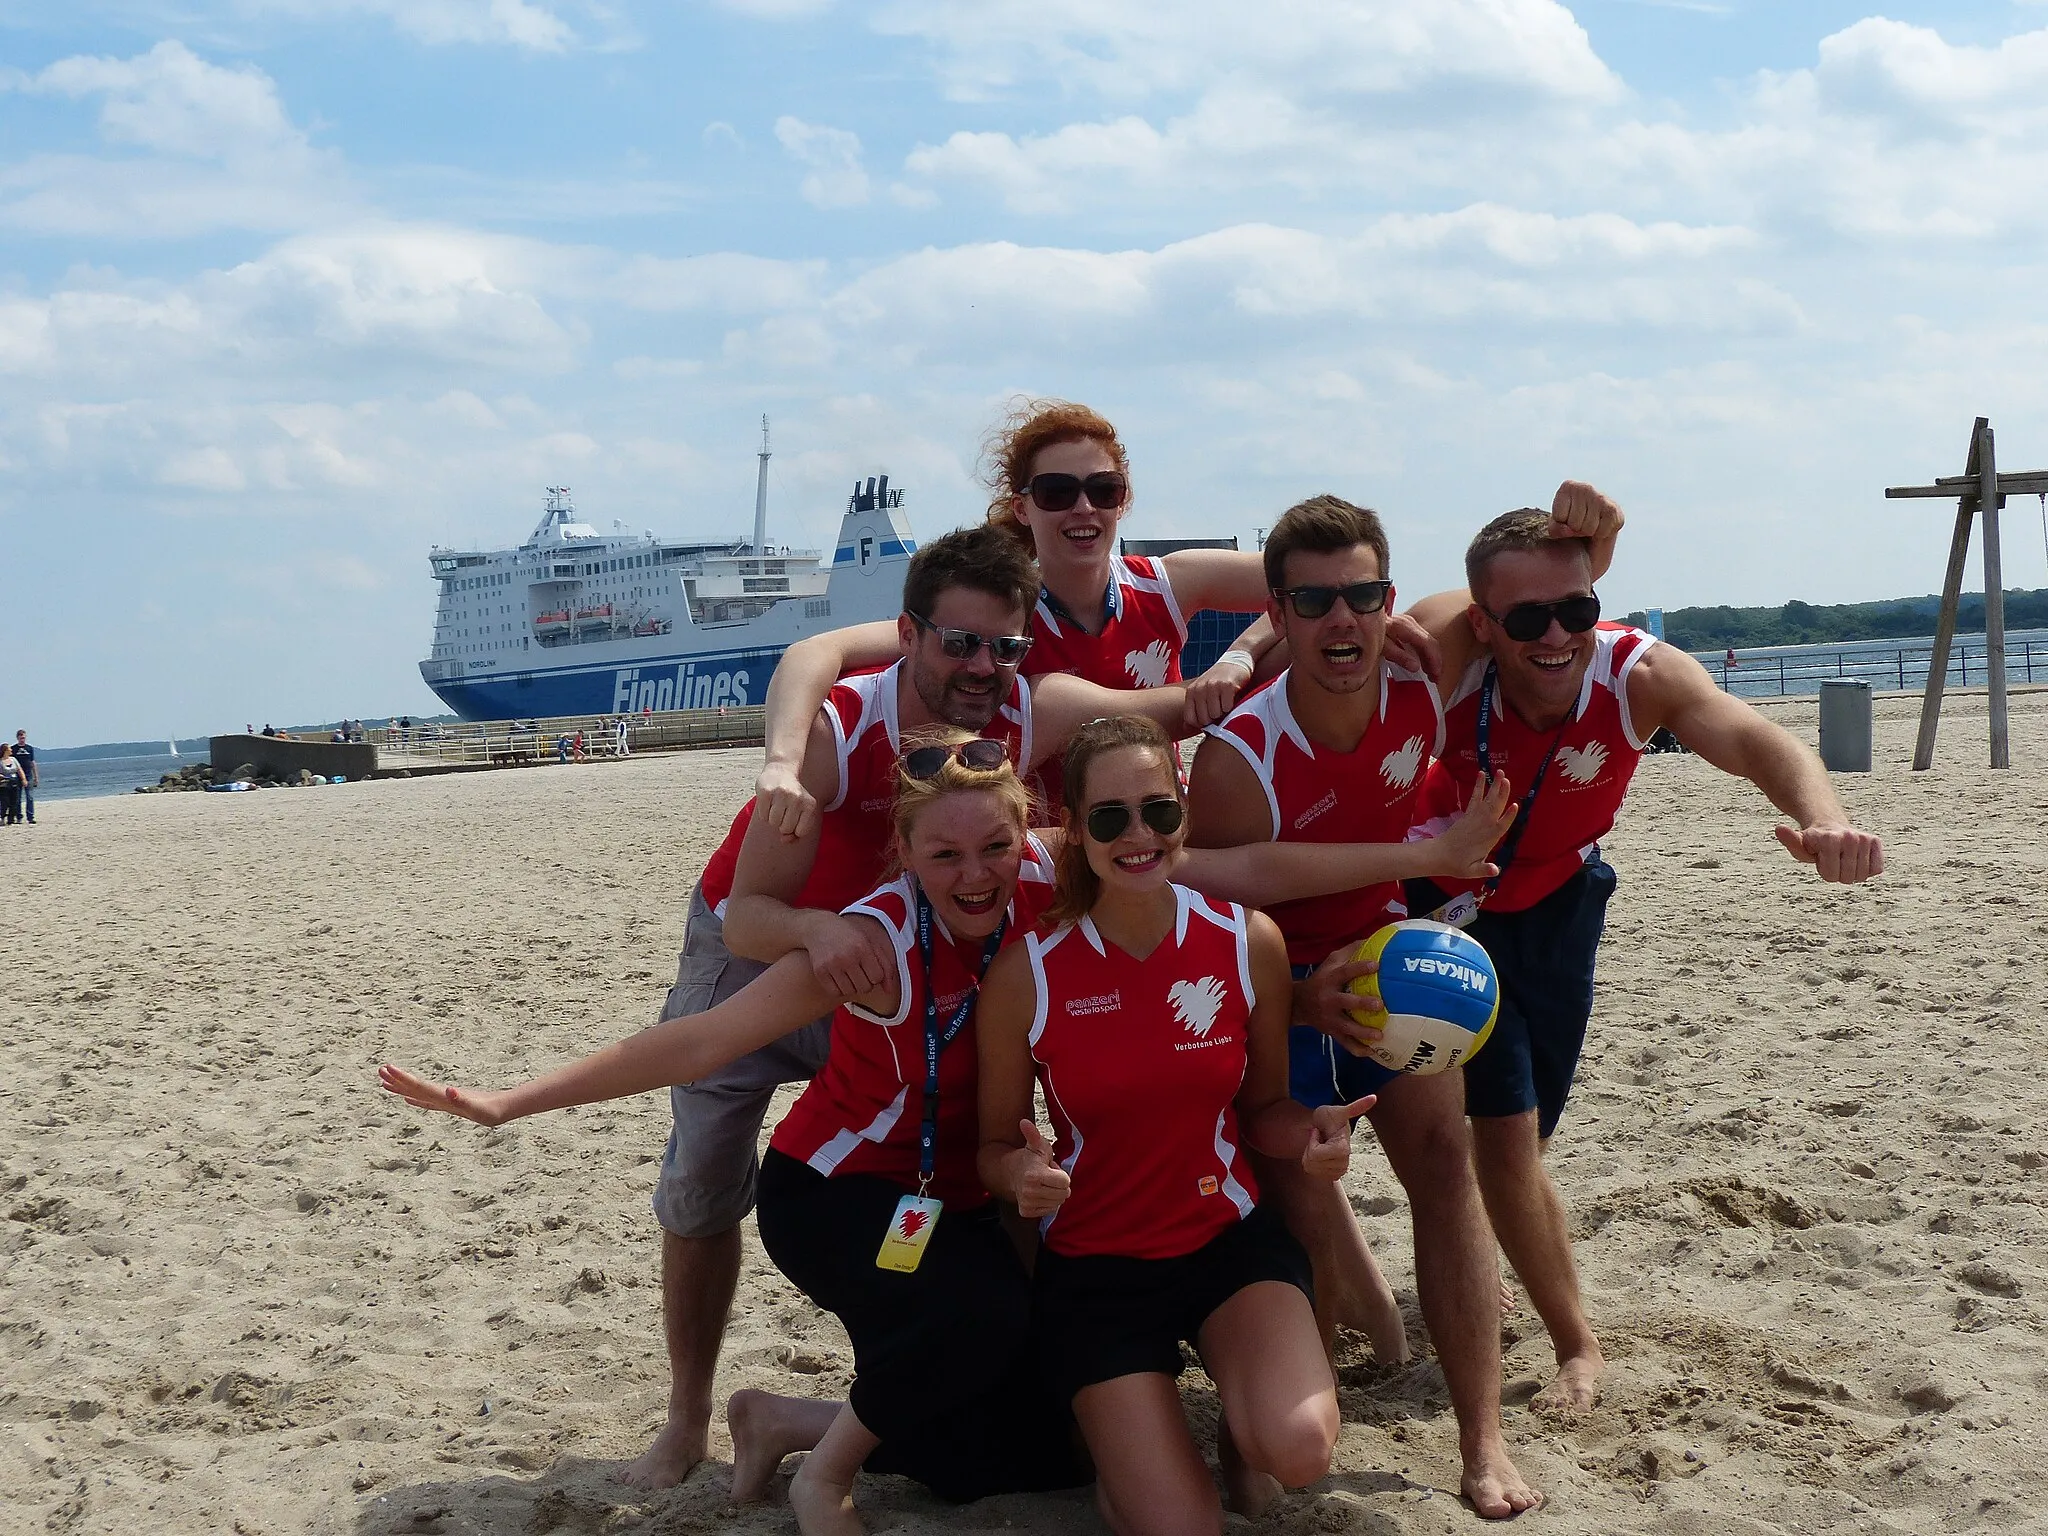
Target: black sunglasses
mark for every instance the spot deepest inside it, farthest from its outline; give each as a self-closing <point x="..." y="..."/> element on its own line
<point x="1107" y="823"/>
<point x="1531" y="621"/>
<point x="1361" y="597"/>
<point x="1056" y="493"/>
<point x="961" y="644"/>
<point x="980" y="754"/>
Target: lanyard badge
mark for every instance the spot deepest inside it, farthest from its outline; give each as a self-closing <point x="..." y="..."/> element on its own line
<point x="917" y="1215"/>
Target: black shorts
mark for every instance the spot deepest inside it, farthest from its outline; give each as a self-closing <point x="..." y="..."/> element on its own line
<point x="1544" y="956"/>
<point x="1101" y="1316"/>
<point x="943" y="1374"/>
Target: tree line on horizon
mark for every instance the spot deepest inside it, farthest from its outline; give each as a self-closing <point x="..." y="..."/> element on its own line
<point x="1797" y="623"/>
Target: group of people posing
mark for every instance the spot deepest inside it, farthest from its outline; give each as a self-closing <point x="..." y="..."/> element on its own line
<point x="19" y="780"/>
<point x="1083" y="1067"/>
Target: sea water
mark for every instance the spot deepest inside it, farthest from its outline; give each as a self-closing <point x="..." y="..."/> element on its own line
<point x="78" y="778"/>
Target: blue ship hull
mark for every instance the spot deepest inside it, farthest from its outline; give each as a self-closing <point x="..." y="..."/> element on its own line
<point x="703" y="681"/>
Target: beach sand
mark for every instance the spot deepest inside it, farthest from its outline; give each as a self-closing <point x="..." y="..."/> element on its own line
<point x="245" y="1290"/>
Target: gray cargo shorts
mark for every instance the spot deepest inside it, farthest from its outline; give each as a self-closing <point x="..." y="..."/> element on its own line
<point x="713" y="1161"/>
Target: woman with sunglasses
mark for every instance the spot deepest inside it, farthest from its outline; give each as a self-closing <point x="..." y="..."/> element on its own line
<point x="870" y="1198"/>
<point x="1155" y="1021"/>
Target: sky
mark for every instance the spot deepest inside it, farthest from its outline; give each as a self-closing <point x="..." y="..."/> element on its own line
<point x="292" y="290"/>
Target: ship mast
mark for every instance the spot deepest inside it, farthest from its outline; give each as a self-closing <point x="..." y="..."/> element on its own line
<point x="761" y="503"/>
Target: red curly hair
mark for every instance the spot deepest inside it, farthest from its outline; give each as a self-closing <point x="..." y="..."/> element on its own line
<point x="1028" y="427"/>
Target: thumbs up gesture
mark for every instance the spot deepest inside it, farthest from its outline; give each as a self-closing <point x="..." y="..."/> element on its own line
<point x="1328" y="1153"/>
<point x="1042" y="1185"/>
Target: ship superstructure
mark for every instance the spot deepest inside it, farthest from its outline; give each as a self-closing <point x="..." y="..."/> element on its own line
<point x="575" y="621"/>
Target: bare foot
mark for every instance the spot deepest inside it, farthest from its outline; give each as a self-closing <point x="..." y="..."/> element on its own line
<point x="1496" y="1489"/>
<point x="676" y="1450"/>
<point x="1510" y="1299"/>
<point x="765" y="1428"/>
<point x="822" y="1508"/>
<point x="1575" y="1390"/>
<point x="1247" y="1491"/>
<point x="1384" y="1326"/>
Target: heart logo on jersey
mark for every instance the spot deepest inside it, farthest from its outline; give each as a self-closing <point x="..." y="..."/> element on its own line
<point x="1148" y="667"/>
<point x="1582" y="765"/>
<point x="1196" y="1004"/>
<point x="1400" y="766"/>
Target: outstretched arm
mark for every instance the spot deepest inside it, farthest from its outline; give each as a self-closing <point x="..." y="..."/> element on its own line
<point x="1669" y="688"/>
<point x="1263" y="874"/>
<point x="1225" y="581"/>
<point x="1061" y="704"/>
<point x="796" y="692"/>
<point x="782" y="998"/>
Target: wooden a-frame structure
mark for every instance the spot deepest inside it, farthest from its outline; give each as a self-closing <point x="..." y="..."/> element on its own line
<point x="1980" y="487"/>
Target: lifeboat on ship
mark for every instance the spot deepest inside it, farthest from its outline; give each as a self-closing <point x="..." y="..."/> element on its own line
<point x="546" y="624"/>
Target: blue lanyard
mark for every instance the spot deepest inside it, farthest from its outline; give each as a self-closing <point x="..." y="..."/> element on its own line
<point x="1112" y="604"/>
<point x="935" y="1039"/>
<point x="1505" y="853"/>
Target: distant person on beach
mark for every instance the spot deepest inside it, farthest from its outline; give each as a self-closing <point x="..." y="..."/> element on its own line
<point x="31" y="775"/>
<point x="11" y="780"/>
<point x="1563" y="706"/>
<point x="1729" y="661"/>
<point x="623" y="747"/>
<point x="562" y="747"/>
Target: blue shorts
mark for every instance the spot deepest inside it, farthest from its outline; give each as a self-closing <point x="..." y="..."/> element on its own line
<point x="1320" y="1071"/>
<point x="1544" y="958"/>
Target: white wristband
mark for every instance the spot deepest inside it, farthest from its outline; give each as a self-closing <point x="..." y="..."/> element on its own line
<point x="1242" y="658"/>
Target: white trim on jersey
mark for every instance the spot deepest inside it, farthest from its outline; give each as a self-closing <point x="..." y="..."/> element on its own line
<point x="1619" y="681"/>
<point x="1120" y="571"/>
<point x="901" y="938"/>
<point x="1227" y="1155"/>
<point x="1052" y="1099"/>
<point x="1020" y="715"/>
<point x="827" y="1158"/>
<point x="877" y="691"/>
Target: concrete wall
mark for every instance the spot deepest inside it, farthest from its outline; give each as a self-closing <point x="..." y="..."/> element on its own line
<point x="352" y="760"/>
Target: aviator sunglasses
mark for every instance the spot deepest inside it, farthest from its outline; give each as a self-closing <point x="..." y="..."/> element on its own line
<point x="1531" y="621"/>
<point x="980" y="754"/>
<point x="1361" y="597"/>
<point x="1056" y="493"/>
<point x="961" y="644"/>
<point x="1107" y="823"/>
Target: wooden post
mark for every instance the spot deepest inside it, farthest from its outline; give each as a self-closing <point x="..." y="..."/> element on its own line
<point x="1945" y="625"/>
<point x="1988" y="500"/>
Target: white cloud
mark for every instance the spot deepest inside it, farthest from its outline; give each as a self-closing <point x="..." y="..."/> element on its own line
<point x="832" y="155"/>
<point x="209" y="147"/>
<point x="1124" y="48"/>
<point x="518" y="23"/>
<point x="203" y="469"/>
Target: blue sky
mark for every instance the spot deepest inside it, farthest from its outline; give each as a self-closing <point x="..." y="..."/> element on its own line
<point x="291" y="289"/>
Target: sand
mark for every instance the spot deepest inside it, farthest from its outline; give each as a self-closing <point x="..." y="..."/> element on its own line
<point x="246" y="1291"/>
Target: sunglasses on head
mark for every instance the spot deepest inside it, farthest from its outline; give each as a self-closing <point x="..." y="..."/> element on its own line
<point x="1361" y="597"/>
<point x="962" y="644"/>
<point x="980" y="754"/>
<point x="1056" y="493"/>
<point x="1531" y="621"/>
<point x="1108" y="822"/>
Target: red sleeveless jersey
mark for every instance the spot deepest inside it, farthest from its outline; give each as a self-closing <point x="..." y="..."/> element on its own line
<point x="1581" y="794"/>
<point x="862" y="1112"/>
<point x="1315" y="794"/>
<point x="853" y="833"/>
<point x="1142" y="631"/>
<point x="1141" y="1061"/>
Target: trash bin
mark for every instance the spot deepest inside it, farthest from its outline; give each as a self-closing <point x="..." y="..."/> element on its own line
<point x="1845" y="725"/>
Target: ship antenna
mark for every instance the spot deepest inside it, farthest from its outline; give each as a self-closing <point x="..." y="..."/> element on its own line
<point x="761" y="502"/>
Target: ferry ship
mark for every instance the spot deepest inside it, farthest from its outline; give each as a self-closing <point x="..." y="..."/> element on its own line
<point x="578" y="622"/>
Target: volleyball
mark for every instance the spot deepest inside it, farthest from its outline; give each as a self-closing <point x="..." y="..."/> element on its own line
<point x="1434" y="999"/>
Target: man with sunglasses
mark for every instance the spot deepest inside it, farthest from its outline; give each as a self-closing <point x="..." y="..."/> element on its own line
<point x="1335" y="750"/>
<point x="762" y="895"/>
<point x="1563" y="706"/>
